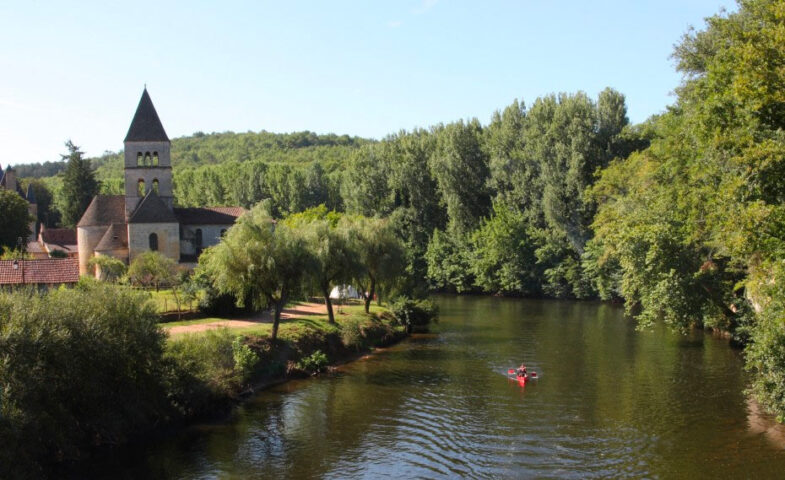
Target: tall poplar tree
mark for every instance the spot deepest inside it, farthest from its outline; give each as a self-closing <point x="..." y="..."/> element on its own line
<point x="79" y="185"/>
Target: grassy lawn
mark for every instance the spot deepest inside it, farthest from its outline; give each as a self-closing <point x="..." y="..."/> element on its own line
<point x="165" y="302"/>
<point x="289" y="327"/>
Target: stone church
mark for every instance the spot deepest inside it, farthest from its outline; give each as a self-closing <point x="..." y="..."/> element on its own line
<point x="145" y="218"/>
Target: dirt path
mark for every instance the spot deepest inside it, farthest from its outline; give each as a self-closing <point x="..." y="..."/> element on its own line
<point x="264" y="317"/>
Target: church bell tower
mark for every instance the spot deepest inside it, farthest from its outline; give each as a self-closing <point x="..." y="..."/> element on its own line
<point x="148" y="166"/>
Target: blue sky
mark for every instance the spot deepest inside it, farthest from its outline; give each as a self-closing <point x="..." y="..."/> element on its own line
<point x="76" y="69"/>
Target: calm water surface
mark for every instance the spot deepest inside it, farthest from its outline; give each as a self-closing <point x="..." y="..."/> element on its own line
<point x="611" y="402"/>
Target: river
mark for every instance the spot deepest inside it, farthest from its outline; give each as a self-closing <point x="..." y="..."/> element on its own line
<point x="611" y="401"/>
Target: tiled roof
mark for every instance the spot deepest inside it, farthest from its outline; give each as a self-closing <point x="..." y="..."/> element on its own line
<point x="104" y="210"/>
<point x="35" y="248"/>
<point x="146" y="126"/>
<point x="209" y="215"/>
<point x="60" y="236"/>
<point x="152" y="210"/>
<point x="49" y="271"/>
<point x="115" y="238"/>
<point x="66" y="248"/>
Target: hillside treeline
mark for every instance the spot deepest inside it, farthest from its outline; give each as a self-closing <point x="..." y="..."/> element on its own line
<point x="681" y="217"/>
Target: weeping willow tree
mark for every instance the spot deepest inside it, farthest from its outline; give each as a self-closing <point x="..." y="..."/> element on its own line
<point x="259" y="262"/>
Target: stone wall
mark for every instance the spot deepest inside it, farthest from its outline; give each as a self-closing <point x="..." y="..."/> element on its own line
<point x="162" y="171"/>
<point x="168" y="239"/>
<point x="211" y="235"/>
<point x="87" y="238"/>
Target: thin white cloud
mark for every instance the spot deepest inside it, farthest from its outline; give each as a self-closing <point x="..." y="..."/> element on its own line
<point x="394" y="23"/>
<point x="424" y="7"/>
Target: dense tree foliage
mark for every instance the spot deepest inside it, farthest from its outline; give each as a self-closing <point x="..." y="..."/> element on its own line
<point x="259" y="262"/>
<point x="38" y="170"/>
<point x="379" y="254"/>
<point x="109" y="269"/>
<point x="79" y="185"/>
<point x="44" y="198"/>
<point x="691" y="230"/>
<point x="14" y="219"/>
<point x="148" y="269"/>
<point x="334" y="260"/>
<point x="76" y="371"/>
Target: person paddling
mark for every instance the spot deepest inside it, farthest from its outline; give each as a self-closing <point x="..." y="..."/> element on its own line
<point x="521" y="372"/>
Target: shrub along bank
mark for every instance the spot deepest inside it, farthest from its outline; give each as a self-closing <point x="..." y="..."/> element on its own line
<point x="78" y="372"/>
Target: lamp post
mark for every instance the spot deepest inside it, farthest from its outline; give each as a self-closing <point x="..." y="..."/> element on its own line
<point x="17" y="262"/>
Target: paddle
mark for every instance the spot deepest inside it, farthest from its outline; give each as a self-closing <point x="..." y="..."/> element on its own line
<point x="512" y="371"/>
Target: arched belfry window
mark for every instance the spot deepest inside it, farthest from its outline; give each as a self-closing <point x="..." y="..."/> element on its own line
<point x="140" y="187"/>
<point x="155" y="159"/>
<point x="154" y="242"/>
<point x="155" y="185"/>
<point x="139" y="159"/>
<point x="147" y="159"/>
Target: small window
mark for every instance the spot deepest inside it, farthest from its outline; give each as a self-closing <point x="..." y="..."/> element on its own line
<point x="223" y="232"/>
<point x="147" y="159"/>
<point x="154" y="242"/>
<point x="155" y="159"/>
<point x="140" y="187"/>
<point x="198" y="239"/>
<point x="155" y="185"/>
<point x="139" y="159"/>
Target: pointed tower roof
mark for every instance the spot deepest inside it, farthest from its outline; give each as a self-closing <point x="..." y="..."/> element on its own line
<point x="30" y="194"/>
<point x="146" y="126"/>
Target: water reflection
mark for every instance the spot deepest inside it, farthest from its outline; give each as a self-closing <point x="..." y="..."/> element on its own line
<point x="611" y="402"/>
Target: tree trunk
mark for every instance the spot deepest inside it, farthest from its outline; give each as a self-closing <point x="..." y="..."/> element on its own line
<point x="371" y="293"/>
<point x="329" y="303"/>
<point x="277" y="319"/>
<point x="177" y="302"/>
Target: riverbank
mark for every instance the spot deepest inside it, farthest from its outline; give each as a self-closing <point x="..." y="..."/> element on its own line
<point x="92" y="368"/>
<point x="307" y="344"/>
<point x="613" y="401"/>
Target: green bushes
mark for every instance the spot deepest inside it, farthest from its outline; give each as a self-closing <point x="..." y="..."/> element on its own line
<point x="414" y="314"/>
<point x="245" y="359"/>
<point x="313" y="363"/>
<point x="79" y="371"/>
<point x="76" y="371"/>
<point x="365" y="332"/>
<point x="202" y="371"/>
<point x="352" y="333"/>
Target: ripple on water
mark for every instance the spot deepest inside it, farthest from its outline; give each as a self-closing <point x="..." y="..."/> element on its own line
<point x="615" y="403"/>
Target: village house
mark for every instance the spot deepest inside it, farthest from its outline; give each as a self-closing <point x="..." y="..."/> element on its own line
<point x="40" y="273"/>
